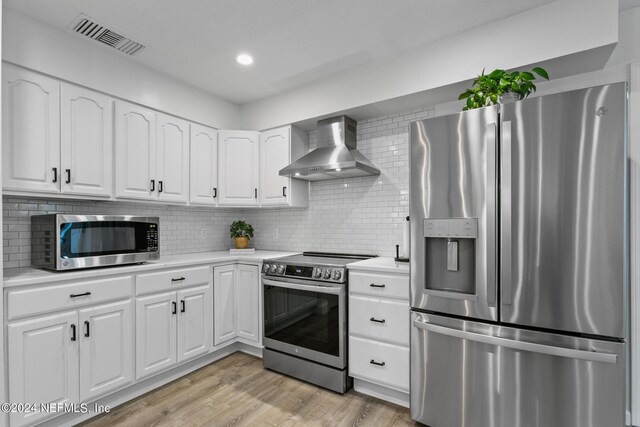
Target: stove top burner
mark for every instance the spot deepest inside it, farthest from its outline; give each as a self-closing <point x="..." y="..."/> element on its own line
<point x="319" y="266"/>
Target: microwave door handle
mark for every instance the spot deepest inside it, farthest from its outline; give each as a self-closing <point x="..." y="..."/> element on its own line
<point x="591" y="356"/>
<point x="505" y="214"/>
<point x="333" y="290"/>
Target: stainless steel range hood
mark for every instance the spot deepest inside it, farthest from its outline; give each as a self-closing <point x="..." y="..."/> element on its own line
<point x="336" y="155"/>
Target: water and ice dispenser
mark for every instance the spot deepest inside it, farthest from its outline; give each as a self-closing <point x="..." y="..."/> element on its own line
<point x="450" y="247"/>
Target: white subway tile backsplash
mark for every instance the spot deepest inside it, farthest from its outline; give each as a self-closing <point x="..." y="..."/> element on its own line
<point x="180" y="231"/>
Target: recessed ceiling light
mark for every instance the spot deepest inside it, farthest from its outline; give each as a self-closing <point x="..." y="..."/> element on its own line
<point x="244" y="59"/>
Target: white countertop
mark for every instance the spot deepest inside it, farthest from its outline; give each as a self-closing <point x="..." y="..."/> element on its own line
<point x="381" y="264"/>
<point x="31" y="276"/>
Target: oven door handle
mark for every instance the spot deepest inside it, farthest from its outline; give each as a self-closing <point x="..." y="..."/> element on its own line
<point x="333" y="290"/>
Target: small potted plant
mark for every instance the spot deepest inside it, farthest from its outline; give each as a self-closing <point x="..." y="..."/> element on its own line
<point x="501" y="86"/>
<point x="241" y="232"/>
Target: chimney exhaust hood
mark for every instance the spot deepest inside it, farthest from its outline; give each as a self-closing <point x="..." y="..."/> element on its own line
<point x="336" y="155"/>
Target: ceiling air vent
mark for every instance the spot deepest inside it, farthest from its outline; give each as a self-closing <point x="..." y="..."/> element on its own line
<point x="85" y="26"/>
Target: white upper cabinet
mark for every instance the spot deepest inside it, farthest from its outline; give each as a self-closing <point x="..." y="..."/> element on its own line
<point x="31" y="131"/>
<point x="152" y="155"/>
<point x="86" y="146"/>
<point x="172" y="159"/>
<point x="203" y="184"/>
<point x="135" y="152"/>
<point x="238" y="167"/>
<point x="278" y="147"/>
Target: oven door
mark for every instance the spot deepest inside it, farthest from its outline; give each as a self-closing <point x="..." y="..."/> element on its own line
<point x="306" y="319"/>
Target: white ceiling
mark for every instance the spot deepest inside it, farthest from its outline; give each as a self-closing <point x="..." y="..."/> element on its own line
<point x="293" y="42"/>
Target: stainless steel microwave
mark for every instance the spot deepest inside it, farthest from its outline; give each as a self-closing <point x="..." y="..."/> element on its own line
<point x="67" y="241"/>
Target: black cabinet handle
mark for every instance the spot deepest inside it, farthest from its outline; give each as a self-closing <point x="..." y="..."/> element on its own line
<point x="183" y="307"/>
<point x="86" y="327"/>
<point x="284" y="191"/>
<point x="85" y="294"/>
<point x="179" y="279"/>
<point x="373" y="362"/>
<point x="256" y="193"/>
<point x="55" y="174"/>
<point x="175" y="307"/>
<point x="215" y="192"/>
<point x="373" y="285"/>
<point x="159" y="186"/>
<point x="153" y="185"/>
<point x="373" y="319"/>
<point x="68" y="171"/>
<point x="73" y="332"/>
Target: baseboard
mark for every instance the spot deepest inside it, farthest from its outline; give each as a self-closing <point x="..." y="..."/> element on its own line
<point x="381" y="392"/>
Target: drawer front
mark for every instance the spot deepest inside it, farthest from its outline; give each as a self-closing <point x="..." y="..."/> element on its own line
<point x="172" y="279"/>
<point x="379" y="285"/>
<point x="379" y="363"/>
<point x="379" y="319"/>
<point x="27" y="302"/>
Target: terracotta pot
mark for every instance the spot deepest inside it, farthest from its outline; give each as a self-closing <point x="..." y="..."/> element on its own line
<point x="241" y="242"/>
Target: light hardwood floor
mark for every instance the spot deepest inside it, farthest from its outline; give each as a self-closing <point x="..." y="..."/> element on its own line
<point x="237" y="391"/>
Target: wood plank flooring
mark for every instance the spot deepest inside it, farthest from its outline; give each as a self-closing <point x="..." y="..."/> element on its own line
<point x="237" y="391"/>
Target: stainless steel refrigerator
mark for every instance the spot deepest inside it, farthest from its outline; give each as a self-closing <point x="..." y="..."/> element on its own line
<point x="519" y="263"/>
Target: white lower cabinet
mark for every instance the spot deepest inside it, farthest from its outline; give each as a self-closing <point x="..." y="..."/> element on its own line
<point x="379" y="335"/>
<point x="238" y="311"/>
<point x="173" y="326"/>
<point x="69" y="357"/>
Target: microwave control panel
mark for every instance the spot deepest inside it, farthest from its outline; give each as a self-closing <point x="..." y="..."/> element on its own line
<point x="152" y="237"/>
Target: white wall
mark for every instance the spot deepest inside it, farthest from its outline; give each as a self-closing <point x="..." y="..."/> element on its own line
<point x="557" y="29"/>
<point x="63" y="55"/>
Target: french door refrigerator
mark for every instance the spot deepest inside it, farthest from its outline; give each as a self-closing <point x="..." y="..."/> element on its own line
<point x="519" y="263"/>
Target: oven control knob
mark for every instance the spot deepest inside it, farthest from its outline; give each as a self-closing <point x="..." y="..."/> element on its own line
<point x="273" y="269"/>
<point x="318" y="273"/>
<point x="265" y="268"/>
<point x="337" y="274"/>
<point x="327" y="273"/>
<point x="280" y="269"/>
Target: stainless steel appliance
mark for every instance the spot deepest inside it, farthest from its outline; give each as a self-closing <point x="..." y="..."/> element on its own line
<point x="336" y="155"/>
<point x="519" y="263"/>
<point x="66" y="241"/>
<point x="305" y="317"/>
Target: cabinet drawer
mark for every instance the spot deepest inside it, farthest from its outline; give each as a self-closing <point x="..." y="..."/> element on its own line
<point x="379" y="319"/>
<point x="172" y="279"/>
<point x="391" y="370"/>
<point x="379" y="285"/>
<point x="27" y="302"/>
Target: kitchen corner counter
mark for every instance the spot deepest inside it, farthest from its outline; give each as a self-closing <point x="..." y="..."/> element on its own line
<point x="381" y="264"/>
<point x="25" y="276"/>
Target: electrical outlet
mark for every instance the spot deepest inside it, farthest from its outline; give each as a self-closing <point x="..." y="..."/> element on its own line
<point x="275" y="233"/>
<point x="203" y="233"/>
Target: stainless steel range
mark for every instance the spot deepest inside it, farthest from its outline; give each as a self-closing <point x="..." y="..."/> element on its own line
<point x="305" y="317"/>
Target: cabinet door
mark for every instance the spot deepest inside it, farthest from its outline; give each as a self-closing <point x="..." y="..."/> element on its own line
<point x="106" y="348"/>
<point x="43" y="363"/>
<point x="31" y="131"/>
<point x="135" y="152"/>
<point x="86" y="122"/>
<point x="156" y="318"/>
<point x="172" y="159"/>
<point x="224" y="324"/>
<point x="195" y="321"/>
<point x="275" y="154"/>
<point x="238" y="168"/>
<point x="248" y="307"/>
<point x="203" y="186"/>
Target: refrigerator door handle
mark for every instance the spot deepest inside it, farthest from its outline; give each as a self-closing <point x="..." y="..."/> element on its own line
<point x="505" y="214"/>
<point x="591" y="356"/>
<point x="491" y="136"/>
